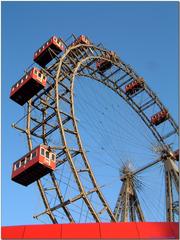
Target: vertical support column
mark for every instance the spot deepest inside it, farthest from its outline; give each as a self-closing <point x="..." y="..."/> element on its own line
<point x="132" y="214"/>
<point x="169" y="200"/>
<point x="171" y="177"/>
<point x="118" y="206"/>
<point x="138" y="207"/>
<point x="124" y="216"/>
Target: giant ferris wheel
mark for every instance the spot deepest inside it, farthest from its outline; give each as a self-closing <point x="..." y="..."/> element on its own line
<point x="52" y="133"/>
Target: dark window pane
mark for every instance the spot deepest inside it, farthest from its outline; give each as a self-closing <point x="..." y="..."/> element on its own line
<point x="17" y="165"/>
<point x="53" y="157"/>
<point x="42" y="151"/>
<point x="47" y="154"/>
<point x="33" y="154"/>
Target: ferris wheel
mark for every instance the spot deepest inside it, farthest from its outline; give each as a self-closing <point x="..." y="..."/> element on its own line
<point x="56" y="146"/>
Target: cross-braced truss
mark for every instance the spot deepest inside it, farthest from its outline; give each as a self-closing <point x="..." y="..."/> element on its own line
<point x="51" y="115"/>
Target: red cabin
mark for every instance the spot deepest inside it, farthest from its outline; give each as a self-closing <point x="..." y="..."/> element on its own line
<point x="34" y="165"/>
<point x="159" y="117"/>
<point x="43" y="55"/>
<point x="81" y="40"/>
<point x="28" y="86"/>
<point x="176" y="155"/>
<point x="103" y="65"/>
<point x="134" y="86"/>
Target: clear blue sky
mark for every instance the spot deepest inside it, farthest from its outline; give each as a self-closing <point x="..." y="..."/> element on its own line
<point x="144" y="34"/>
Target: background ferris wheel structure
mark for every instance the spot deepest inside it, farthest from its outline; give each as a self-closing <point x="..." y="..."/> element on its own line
<point x="50" y="119"/>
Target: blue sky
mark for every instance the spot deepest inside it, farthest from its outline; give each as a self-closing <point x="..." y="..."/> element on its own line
<point x="143" y="34"/>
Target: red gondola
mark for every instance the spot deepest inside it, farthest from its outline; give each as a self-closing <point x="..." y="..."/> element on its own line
<point x="28" y="86"/>
<point x="81" y="40"/>
<point x="34" y="165"/>
<point x="134" y="86"/>
<point x="159" y="117"/>
<point x="103" y="65"/>
<point x="44" y="55"/>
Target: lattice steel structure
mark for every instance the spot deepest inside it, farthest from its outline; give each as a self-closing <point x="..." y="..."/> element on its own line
<point x="51" y="115"/>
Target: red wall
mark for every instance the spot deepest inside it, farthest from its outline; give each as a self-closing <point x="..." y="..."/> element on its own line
<point x="143" y="230"/>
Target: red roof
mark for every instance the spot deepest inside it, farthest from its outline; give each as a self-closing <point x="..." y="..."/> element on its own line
<point x="137" y="230"/>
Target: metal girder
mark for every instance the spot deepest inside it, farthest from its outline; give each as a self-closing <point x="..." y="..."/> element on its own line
<point x="65" y="203"/>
